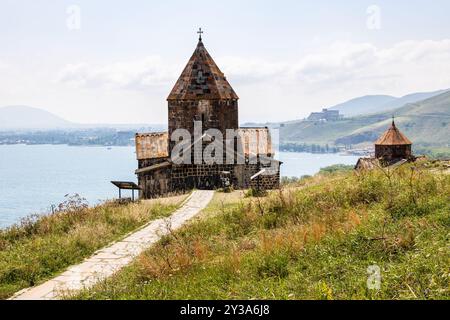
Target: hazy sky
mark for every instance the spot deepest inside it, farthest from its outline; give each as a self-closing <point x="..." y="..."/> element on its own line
<point x="106" y="61"/>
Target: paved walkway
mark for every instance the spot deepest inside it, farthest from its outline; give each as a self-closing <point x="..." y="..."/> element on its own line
<point x="109" y="260"/>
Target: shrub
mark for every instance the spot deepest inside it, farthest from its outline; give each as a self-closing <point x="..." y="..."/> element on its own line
<point x="336" y="168"/>
<point x="253" y="192"/>
<point x="239" y="221"/>
<point x="273" y="265"/>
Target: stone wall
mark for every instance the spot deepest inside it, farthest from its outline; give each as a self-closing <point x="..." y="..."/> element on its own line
<point x="154" y="182"/>
<point x="152" y="145"/>
<point x="214" y="114"/>
<point x="175" y="179"/>
<point x="388" y="152"/>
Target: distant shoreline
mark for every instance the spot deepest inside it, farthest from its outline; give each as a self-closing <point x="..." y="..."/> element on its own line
<point x="126" y="139"/>
<point x="344" y="152"/>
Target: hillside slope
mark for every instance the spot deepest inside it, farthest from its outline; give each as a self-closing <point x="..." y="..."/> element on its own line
<point x="410" y="98"/>
<point x="425" y="123"/>
<point x="315" y="239"/>
<point x="23" y="117"/>
<point x="39" y="247"/>
<point x="381" y="103"/>
<point x="363" y="105"/>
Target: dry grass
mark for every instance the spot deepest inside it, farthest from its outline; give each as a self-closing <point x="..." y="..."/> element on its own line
<point x="41" y="246"/>
<point x="312" y="240"/>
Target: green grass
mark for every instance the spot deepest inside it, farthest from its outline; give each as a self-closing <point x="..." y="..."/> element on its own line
<point x="315" y="239"/>
<point x="433" y="152"/>
<point x="425" y="123"/>
<point x="42" y="246"/>
<point x="336" y="168"/>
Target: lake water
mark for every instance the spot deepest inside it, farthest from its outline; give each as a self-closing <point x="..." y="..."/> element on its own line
<point x="32" y="178"/>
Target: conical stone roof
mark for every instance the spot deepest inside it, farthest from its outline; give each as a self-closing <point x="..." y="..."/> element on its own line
<point x="202" y="79"/>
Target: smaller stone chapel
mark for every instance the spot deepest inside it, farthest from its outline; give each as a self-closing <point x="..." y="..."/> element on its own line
<point x="391" y="148"/>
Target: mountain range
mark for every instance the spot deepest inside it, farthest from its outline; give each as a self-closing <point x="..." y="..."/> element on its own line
<point x="425" y="122"/>
<point x="30" y="118"/>
<point x="23" y="117"/>
<point x="379" y="103"/>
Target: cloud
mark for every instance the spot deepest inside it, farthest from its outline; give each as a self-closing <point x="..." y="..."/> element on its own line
<point x="249" y="70"/>
<point x="351" y="63"/>
<point x="335" y="74"/>
<point x="405" y="66"/>
<point x="340" y="60"/>
<point x="337" y="61"/>
<point x="139" y="74"/>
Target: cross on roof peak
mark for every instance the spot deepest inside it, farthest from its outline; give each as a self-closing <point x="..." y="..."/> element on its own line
<point x="200" y="32"/>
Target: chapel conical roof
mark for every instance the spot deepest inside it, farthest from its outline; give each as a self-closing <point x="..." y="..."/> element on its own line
<point x="393" y="137"/>
<point x="202" y="79"/>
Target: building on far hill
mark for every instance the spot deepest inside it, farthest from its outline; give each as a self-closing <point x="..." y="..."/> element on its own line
<point x="391" y="148"/>
<point x="325" y="115"/>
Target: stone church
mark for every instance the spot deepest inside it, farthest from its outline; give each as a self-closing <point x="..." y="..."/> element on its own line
<point x="203" y="98"/>
<point x="391" y="148"/>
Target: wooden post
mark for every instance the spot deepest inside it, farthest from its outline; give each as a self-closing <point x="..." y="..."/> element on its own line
<point x="257" y="182"/>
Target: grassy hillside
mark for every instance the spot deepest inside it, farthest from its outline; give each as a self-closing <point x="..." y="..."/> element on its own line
<point x="410" y="98"/>
<point x="426" y="123"/>
<point x="40" y="247"/>
<point x="316" y="239"/>
<point x="322" y="133"/>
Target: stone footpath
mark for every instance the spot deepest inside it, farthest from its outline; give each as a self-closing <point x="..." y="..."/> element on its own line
<point x="109" y="260"/>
